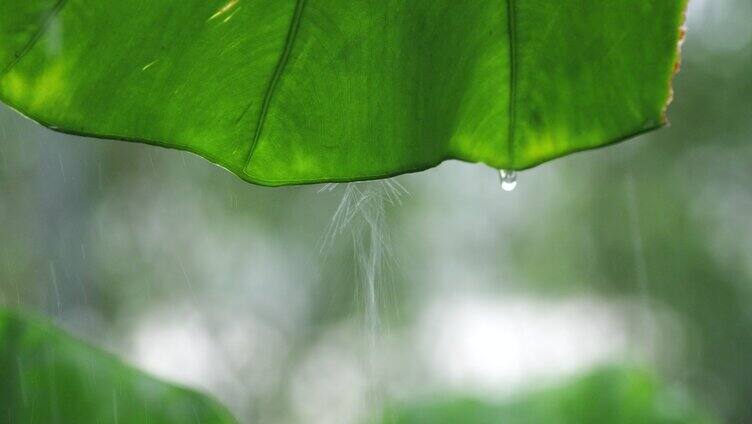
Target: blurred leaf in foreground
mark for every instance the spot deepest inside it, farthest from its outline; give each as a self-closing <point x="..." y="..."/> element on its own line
<point x="46" y="376"/>
<point x="614" y="396"/>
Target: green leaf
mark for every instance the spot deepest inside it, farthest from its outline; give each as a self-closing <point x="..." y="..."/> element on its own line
<point x="614" y="396"/>
<point x="48" y="377"/>
<point x="285" y="91"/>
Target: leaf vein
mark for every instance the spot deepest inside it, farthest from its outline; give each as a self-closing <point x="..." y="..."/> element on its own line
<point x="290" y="40"/>
<point x="34" y="39"/>
<point x="512" y="79"/>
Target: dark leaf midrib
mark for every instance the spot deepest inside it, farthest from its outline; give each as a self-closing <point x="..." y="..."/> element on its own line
<point x="512" y="78"/>
<point x="284" y="56"/>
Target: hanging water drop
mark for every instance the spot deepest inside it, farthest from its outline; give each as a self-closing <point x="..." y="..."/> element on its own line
<point x="508" y="179"/>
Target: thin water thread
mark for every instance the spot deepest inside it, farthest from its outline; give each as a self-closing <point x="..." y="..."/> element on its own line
<point x="362" y="211"/>
<point x="639" y="253"/>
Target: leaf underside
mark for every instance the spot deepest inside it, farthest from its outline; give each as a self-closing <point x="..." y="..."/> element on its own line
<point x="303" y="91"/>
<point x="49" y="377"/>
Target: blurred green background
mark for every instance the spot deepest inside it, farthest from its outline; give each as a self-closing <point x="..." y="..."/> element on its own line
<point x="633" y="257"/>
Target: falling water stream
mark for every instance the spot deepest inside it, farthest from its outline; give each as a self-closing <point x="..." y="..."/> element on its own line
<point x="362" y="214"/>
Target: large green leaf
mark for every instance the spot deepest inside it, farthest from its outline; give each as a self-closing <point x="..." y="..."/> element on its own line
<point x="48" y="377"/>
<point x="298" y="91"/>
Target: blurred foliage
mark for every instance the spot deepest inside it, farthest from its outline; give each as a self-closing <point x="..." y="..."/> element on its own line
<point x="49" y="377"/>
<point x="614" y="396"/>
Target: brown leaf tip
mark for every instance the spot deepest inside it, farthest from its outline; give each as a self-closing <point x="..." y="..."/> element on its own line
<point x="677" y="64"/>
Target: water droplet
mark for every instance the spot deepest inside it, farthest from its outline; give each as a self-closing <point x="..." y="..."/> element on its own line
<point x="508" y="179"/>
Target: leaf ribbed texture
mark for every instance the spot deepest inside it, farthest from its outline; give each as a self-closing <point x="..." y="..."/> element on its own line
<point x="302" y="91"/>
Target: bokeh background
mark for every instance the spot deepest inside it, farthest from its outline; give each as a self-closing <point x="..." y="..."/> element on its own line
<point x="629" y="262"/>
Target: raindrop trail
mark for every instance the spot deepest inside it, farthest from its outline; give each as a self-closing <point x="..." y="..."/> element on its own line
<point x="115" y="414"/>
<point x="99" y="175"/>
<point x="53" y="276"/>
<point x="62" y="166"/>
<point x="4" y="157"/>
<point x="637" y="245"/>
<point x="153" y="165"/>
<point x="22" y="381"/>
<point x="641" y="272"/>
<point x="187" y="279"/>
